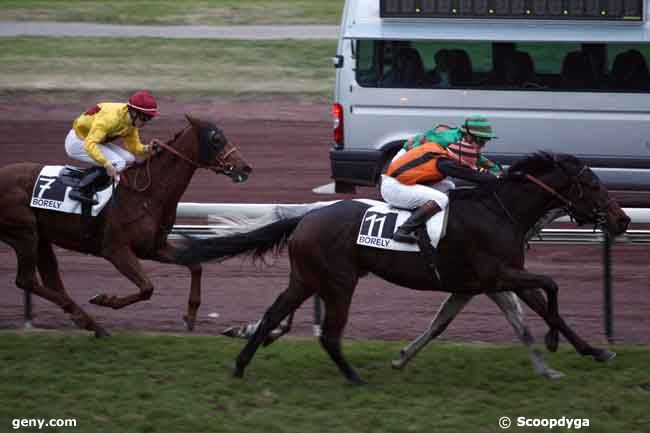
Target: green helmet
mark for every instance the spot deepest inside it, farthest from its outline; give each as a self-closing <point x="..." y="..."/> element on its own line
<point x="478" y="126"/>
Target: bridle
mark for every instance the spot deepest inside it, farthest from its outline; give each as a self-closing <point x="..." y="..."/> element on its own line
<point x="598" y="216"/>
<point x="222" y="165"/>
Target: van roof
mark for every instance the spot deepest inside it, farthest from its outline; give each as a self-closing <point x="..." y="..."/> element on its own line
<point x="363" y="22"/>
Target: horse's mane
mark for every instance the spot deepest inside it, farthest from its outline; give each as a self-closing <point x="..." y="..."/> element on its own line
<point x="535" y="164"/>
<point x="541" y="162"/>
<point x="135" y="168"/>
<point x="176" y="135"/>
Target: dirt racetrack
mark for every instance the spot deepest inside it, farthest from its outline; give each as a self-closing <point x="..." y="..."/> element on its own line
<point x="288" y="142"/>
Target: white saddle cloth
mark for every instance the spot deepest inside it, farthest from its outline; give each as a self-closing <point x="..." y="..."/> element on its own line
<point x="50" y="193"/>
<point x="381" y="220"/>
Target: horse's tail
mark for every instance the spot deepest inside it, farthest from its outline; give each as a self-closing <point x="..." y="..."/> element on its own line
<point x="272" y="237"/>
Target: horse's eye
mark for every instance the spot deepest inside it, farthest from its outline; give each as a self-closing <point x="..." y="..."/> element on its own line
<point x="216" y="137"/>
<point x="592" y="184"/>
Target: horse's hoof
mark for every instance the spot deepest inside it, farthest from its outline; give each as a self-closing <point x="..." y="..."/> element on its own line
<point x="273" y="337"/>
<point x="102" y="333"/>
<point x="232" y="332"/>
<point x="238" y="372"/>
<point x="549" y="373"/>
<point x="97" y="299"/>
<point x="398" y="364"/>
<point x="552" y="340"/>
<point x="604" y="355"/>
<point x="189" y="323"/>
<point x="357" y="381"/>
<point x="268" y="341"/>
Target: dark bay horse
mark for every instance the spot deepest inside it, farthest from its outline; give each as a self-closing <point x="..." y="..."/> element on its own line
<point x="482" y="251"/>
<point x="134" y="225"/>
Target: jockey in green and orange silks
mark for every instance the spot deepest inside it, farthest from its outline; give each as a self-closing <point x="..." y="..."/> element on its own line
<point x="465" y="142"/>
<point x="417" y="176"/>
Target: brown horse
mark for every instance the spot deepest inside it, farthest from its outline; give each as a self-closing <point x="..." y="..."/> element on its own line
<point x="134" y="225"/>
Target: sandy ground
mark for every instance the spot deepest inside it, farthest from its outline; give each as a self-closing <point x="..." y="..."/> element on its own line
<point x="287" y="142"/>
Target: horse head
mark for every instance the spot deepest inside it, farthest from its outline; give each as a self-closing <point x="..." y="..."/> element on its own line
<point x="576" y="187"/>
<point x="215" y="152"/>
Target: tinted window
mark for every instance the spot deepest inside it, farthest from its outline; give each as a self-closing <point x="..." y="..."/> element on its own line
<point x="504" y="66"/>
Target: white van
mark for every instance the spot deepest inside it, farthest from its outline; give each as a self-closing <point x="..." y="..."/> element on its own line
<point x="563" y="75"/>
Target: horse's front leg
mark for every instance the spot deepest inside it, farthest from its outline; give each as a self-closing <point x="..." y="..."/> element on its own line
<point x="536" y="302"/>
<point x="166" y="255"/>
<point x="128" y="264"/>
<point x="247" y="330"/>
<point x="515" y="279"/>
<point x="446" y="313"/>
<point x="510" y="306"/>
<point x="194" y="301"/>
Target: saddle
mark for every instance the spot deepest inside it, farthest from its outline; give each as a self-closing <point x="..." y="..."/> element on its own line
<point x="84" y="178"/>
<point x="85" y="183"/>
<point x="380" y="221"/>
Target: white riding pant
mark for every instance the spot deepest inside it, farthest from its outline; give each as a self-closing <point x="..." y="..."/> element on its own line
<point x="116" y="155"/>
<point x="411" y="196"/>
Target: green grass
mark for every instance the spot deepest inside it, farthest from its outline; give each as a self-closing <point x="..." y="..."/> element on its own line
<point x="204" y="67"/>
<point x="138" y="383"/>
<point x="210" y="12"/>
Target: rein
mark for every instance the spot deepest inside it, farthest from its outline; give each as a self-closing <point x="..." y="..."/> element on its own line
<point x="221" y="167"/>
<point x="505" y="209"/>
<point x="134" y="186"/>
<point x="180" y="155"/>
<point x="147" y="169"/>
<point x="567" y="203"/>
<point x="550" y="190"/>
<point x="597" y="216"/>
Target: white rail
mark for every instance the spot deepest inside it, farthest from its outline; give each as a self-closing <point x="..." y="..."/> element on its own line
<point x="254" y="210"/>
<point x="231" y="217"/>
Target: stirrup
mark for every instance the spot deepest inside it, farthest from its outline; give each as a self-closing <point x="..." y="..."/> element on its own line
<point x="403" y="236"/>
<point x="80" y="197"/>
<point x="429" y="252"/>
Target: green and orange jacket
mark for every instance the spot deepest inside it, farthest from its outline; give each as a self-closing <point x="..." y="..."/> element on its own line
<point x="104" y="123"/>
<point x="419" y="165"/>
<point x="445" y="136"/>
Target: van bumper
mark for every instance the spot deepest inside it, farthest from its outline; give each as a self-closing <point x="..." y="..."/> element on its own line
<point x="355" y="167"/>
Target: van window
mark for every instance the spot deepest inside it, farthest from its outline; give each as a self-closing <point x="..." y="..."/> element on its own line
<point x="628" y="68"/>
<point x="539" y="66"/>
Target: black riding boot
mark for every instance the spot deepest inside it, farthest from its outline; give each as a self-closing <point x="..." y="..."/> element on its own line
<point x="85" y="196"/>
<point x="85" y="191"/>
<point x="405" y="232"/>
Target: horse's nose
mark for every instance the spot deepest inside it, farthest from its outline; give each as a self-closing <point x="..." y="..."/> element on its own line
<point x="624" y="222"/>
<point x="242" y="174"/>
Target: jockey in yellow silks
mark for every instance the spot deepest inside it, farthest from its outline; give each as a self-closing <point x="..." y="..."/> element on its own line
<point x="93" y="133"/>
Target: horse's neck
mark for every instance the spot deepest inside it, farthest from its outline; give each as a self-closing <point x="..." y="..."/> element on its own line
<point x="170" y="175"/>
<point x="527" y="203"/>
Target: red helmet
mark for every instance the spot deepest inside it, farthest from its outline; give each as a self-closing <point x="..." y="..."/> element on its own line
<point x="144" y="102"/>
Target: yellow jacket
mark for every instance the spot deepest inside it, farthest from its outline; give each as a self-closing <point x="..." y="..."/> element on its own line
<point x="104" y="123"/>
